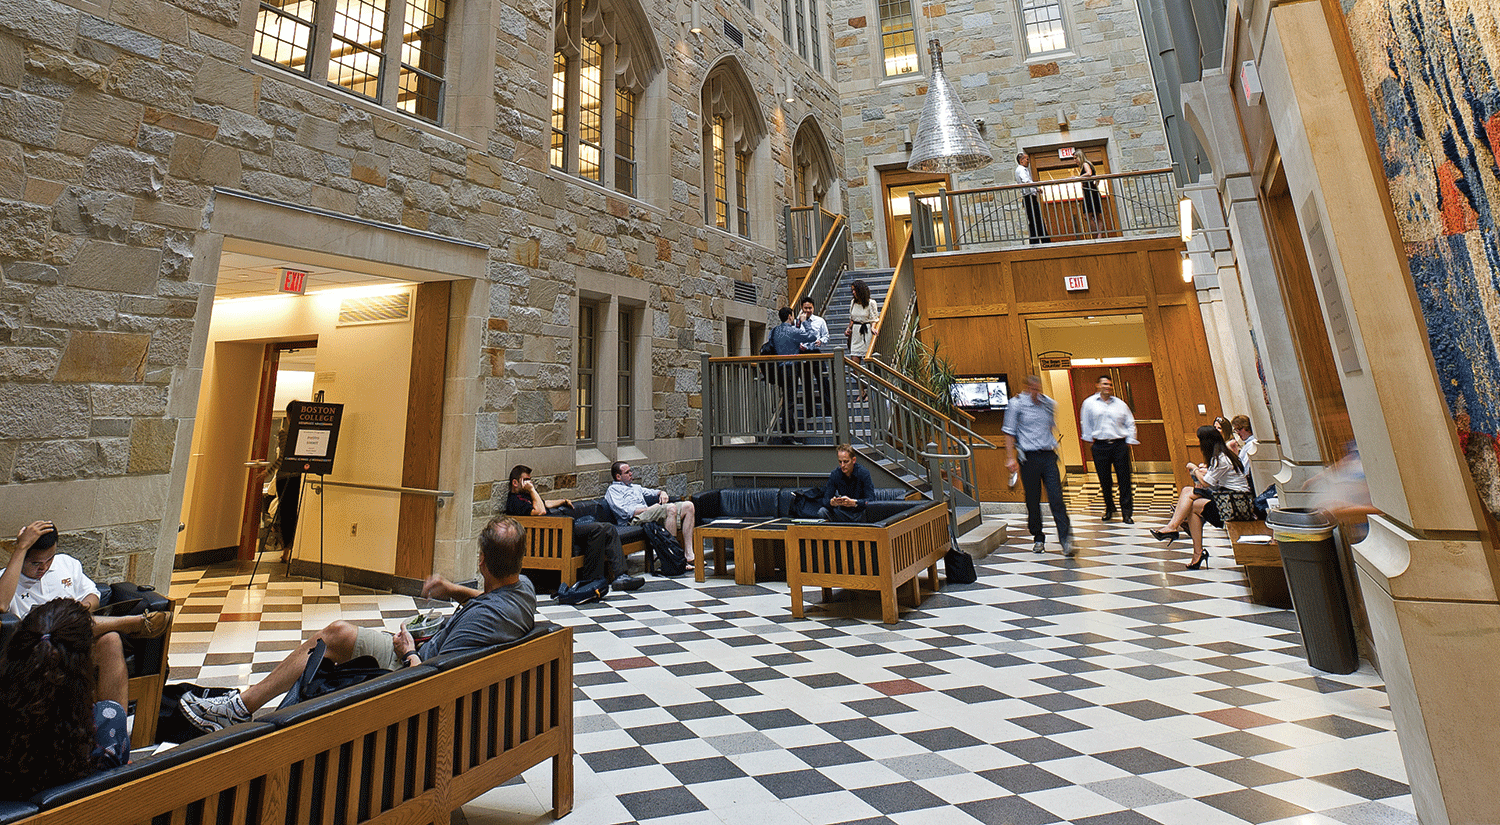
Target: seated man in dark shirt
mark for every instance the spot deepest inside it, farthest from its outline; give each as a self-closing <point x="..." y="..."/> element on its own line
<point x="848" y="490"/>
<point x="598" y="543"/>
<point x="503" y="612"/>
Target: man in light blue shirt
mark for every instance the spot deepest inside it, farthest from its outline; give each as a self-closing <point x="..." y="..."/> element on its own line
<point x="1030" y="421"/>
<point x="628" y="500"/>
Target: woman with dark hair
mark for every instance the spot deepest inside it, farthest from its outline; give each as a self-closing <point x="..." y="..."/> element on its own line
<point x="62" y="709"/>
<point x="1221" y="468"/>
<point x="864" y="317"/>
<point x="1093" y="204"/>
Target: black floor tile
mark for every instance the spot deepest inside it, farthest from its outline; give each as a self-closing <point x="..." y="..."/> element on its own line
<point x="1008" y="810"/>
<point x="660" y="802"/>
<point x="797" y="783"/>
<point x="1021" y="779"/>
<point x="898" y="797"/>
<point x="1363" y="783"/>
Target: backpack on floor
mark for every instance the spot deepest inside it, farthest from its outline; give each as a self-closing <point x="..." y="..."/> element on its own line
<point x="667" y="550"/>
<point x="583" y="592"/>
<point x="960" y="567"/>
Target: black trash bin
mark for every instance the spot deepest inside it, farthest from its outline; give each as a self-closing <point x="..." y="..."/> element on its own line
<point x="1312" y="570"/>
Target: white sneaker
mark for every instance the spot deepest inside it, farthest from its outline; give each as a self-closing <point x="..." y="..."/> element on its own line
<point x="211" y="713"/>
<point x="1068" y="549"/>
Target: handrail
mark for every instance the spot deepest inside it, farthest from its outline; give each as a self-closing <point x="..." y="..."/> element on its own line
<point x="1110" y="206"/>
<point x="385" y="488"/>
<point x="956" y="414"/>
<point x="967" y="453"/>
<point x="821" y="262"/>
<point x="1057" y="181"/>
<point x="902" y="263"/>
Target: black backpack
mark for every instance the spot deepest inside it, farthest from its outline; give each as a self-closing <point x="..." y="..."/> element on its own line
<point x="583" y="592"/>
<point x="670" y="558"/>
<point x="807" y="503"/>
<point x="960" y="567"/>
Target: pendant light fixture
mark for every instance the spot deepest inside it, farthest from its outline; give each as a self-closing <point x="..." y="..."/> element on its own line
<point x="946" y="140"/>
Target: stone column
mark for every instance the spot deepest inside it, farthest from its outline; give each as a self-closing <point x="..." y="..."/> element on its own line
<point x="1427" y="568"/>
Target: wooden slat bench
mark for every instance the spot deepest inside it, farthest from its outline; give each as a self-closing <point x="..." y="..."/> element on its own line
<point x="882" y="558"/>
<point x="410" y="753"/>
<point x="1262" y="563"/>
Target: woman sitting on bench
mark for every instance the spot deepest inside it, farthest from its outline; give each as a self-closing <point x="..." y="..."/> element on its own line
<point x="62" y="714"/>
<point x="1221" y="468"/>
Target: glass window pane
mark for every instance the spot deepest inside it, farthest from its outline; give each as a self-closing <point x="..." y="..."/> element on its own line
<point x="357" y="53"/>
<point x="626" y="401"/>
<point x="721" y="184"/>
<point x="424" y="50"/>
<point x="898" y="37"/>
<point x="559" y="110"/>
<point x="1043" y="25"/>
<point x="284" y="32"/>
<point x="625" y="141"/>
<point x="587" y="352"/>
<point x="590" y="114"/>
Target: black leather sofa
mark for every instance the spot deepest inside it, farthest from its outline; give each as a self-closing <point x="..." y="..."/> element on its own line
<point x="886" y="506"/>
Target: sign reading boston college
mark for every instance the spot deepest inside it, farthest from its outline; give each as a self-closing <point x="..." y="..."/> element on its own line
<point x="312" y="435"/>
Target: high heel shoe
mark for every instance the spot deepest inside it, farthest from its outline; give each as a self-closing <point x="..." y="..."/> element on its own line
<point x="1167" y="536"/>
<point x="1201" y="560"/>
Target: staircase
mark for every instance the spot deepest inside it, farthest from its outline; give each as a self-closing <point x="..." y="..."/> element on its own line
<point x="836" y="312"/>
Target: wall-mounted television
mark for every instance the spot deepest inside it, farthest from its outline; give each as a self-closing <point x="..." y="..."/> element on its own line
<point x="977" y="393"/>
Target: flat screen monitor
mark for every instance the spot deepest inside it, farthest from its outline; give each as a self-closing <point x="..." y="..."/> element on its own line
<point x="981" y="392"/>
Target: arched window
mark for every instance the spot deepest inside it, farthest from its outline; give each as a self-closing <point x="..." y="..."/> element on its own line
<point x="732" y="129"/>
<point x="813" y="170"/>
<point x="603" y="62"/>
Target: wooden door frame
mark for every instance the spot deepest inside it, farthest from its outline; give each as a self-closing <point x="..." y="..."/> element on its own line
<point x="894" y="176"/>
<point x="260" y="443"/>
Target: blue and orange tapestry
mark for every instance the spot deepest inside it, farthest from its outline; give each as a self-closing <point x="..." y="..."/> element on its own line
<point x="1430" y="69"/>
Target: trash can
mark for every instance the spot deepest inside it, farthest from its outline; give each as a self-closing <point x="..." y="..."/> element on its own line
<point x="1311" y="562"/>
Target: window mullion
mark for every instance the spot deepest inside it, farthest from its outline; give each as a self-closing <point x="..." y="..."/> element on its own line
<point x="322" y="39"/>
<point x="607" y="116"/>
<point x="395" y="39"/>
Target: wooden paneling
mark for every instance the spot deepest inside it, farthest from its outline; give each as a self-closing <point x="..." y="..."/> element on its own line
<point x="976" y="306"/>
<point x="417" y="528"/>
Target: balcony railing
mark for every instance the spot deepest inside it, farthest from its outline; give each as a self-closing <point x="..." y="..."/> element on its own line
<point x="1128" y="205"/>
<point x="806" y="227"/>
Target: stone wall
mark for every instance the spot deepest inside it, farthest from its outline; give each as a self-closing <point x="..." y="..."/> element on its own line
<point x="1103" y="83"/>
<point x="119" y="119"/>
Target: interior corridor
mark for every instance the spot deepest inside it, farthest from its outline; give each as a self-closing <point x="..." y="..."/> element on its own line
<point x="1114" y="688"/>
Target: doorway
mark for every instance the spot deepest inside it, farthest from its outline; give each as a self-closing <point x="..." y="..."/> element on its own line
<point x="374" y="344"/>
<point x="897" y="185"/>
<point x="272" y="490"/>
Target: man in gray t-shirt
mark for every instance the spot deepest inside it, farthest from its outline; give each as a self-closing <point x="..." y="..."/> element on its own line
<point x="505" y="610"/>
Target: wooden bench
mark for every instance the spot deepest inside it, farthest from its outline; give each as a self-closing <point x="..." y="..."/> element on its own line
<point x="878" y="557"/>
<point x="409" y="753"/>
<point x="1261" y="561"/>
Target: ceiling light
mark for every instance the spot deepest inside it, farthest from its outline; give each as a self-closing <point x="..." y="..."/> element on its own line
<point x="946" y="138"/>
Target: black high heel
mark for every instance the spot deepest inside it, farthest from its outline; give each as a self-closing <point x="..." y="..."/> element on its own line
<point x="1167" y="536"/>
<point x="1201" y="559"/>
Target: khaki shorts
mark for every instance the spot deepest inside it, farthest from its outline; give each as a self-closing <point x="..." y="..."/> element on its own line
<point x="371" y="642"/>
<point x="656" y="512"/>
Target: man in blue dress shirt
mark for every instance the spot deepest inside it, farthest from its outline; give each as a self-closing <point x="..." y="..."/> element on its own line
<point x="1030" y="423"/>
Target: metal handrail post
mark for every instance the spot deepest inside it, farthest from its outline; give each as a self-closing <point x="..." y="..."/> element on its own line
<point x="841" y="425"/>
<point x="710" y="406"/>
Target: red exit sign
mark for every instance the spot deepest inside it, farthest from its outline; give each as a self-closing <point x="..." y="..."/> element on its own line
<point x="293" y="281"/>
<point x="1076" y="283"/>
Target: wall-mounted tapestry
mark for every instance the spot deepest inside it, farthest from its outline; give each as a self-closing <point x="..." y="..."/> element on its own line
<point x="1430" y="68"/>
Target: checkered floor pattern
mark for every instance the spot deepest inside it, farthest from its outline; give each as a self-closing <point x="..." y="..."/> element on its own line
<point x="1114" y="688"/>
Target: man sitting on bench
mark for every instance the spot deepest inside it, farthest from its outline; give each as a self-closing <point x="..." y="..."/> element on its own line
<point x="628" y="500"/>
<point x="599" y="543"/>
<point x="503" y="612"/>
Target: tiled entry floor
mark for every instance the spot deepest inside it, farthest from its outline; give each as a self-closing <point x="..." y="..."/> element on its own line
<point x="1111" y="689"/>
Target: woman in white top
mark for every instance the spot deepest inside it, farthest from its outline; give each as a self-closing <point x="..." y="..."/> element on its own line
<point x="864" y="315"/>
<point x="1221" y="468"/>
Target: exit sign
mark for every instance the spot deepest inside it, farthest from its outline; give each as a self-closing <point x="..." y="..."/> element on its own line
<point x="293" y="281"/>
<point x="1076" y="283"/>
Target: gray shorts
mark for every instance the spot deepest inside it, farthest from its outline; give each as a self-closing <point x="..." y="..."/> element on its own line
<point x="655" y="512"/>
<point x="369" y="641"/>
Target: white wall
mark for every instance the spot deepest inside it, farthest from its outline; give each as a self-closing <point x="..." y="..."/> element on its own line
<point x="365" y="368"/>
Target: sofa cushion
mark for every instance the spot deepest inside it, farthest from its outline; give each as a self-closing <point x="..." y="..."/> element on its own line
<point x="750" y="502"/>
<point x="16" y="811"/>
<point x="449" y="661"/>
<point x="319" y="705"/>
<point x="186" y="752"/>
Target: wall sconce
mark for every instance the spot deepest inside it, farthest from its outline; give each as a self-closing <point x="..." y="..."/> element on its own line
<point x="979" y="123"/>
<point x="906" y="137"/>
<point x="1185" y="218"/>
<point x="1187" y="268"/>
<point x="1062" y="119"/>
<point x="790" y="94"/>
<point x="695" y="18"/>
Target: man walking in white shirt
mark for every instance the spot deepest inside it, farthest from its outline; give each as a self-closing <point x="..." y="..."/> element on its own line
<point x="1107" y="424"/>
<point x="815" y="323"/>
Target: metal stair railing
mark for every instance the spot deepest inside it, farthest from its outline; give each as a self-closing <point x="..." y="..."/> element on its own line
<point x="901" y="427"/>
<point x="831" y="260"/>
<point x="900" y="304"/>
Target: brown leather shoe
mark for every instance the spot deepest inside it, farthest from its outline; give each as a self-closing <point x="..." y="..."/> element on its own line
<point x="153" y="624"/>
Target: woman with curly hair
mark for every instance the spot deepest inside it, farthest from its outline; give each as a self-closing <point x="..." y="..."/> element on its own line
<point x="62" y="701"/>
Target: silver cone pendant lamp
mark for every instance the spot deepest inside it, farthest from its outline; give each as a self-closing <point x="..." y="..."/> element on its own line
<point x="946" y="138"/>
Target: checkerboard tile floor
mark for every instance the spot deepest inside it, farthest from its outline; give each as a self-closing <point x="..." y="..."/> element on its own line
<point x="1114" y="688"/>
